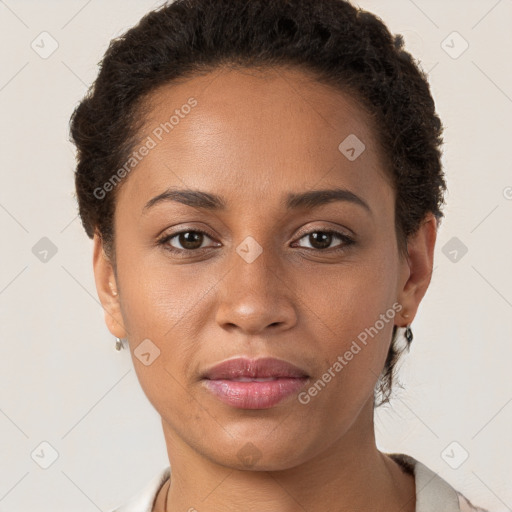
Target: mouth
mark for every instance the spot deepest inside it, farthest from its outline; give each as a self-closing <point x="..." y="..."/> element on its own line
<point x="254" y="379"/>
<point x="262" y="368"/>
<point x="254" y="384"/>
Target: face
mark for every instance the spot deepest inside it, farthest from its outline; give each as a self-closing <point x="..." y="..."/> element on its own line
<point x="259" y="269"/>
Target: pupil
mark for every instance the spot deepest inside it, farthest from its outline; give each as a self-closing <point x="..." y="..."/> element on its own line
<point x="325" y="242"/>
<point x="191" y="240"/>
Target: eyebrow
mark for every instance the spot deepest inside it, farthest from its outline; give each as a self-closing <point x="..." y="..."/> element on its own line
<point x="207" y="201"/>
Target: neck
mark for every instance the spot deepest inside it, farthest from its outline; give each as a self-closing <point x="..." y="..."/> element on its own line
<point x="350" y="475"/>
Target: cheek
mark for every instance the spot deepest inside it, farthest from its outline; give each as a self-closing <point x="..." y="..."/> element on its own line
<point x="353" y="308"/>
<point x="350" y="297"/>
<point x="164" y="303"/>
<point x="157" y="296"/>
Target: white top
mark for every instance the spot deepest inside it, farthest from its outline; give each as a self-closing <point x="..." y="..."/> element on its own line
<point x="433" y="494"/>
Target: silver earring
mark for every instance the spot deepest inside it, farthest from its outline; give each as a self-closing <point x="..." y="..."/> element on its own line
<point x="119" y="344"/>
<point x="408" y="334"/>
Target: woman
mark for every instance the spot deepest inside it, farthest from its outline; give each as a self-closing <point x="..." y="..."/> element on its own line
<point x="262" y="182"/>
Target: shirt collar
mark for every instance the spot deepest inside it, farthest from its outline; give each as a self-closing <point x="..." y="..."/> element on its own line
<point x="433" y="493"/>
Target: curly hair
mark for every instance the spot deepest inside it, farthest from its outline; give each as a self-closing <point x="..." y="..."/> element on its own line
<point x="339" y="44"/>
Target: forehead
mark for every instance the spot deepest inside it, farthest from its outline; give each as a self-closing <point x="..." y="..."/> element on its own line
<point x="259" y="132"/>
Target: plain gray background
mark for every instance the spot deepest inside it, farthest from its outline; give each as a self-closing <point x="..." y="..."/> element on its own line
<point x="61" y="381"/>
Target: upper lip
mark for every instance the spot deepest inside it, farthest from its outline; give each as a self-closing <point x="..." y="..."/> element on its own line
<point x="253" y="368"/>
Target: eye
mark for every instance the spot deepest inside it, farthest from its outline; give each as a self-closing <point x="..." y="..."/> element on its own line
<point x="321" y="240"/>
<point x="193" y="240"/>
<point x="190" y="240"/>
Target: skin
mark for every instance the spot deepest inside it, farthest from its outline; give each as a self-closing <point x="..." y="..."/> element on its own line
<point x="253" y="138"/>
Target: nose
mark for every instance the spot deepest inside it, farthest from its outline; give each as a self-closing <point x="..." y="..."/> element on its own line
<point x="257" y="296"/>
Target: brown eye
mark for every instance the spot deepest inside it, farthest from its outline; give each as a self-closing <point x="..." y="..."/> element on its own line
<point x="187" y="241"/>
<point x="322" y="240"/>
<point x="190" y="239"/>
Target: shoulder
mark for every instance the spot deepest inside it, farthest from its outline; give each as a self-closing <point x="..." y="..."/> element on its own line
<point x="466" y="506"/>
<point x="432" y="491"/>
<point x="143" y="500"/>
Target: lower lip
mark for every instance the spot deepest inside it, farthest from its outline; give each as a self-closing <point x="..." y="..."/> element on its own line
<point x="254" y="395"/>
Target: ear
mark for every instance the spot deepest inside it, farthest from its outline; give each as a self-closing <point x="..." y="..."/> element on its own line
<point x="417" y="268"/>
<point x="106" y="286"/>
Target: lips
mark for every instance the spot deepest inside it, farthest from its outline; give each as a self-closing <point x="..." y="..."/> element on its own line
<point x="244" y="369"/>
<point x="254" y="383"/>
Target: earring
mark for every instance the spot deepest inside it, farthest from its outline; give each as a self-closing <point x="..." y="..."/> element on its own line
<point x="119" y="344"/>
<point x="408" y="334"/>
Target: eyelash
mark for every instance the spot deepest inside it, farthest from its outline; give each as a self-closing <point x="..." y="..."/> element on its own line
<point x="348" y="241"/>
